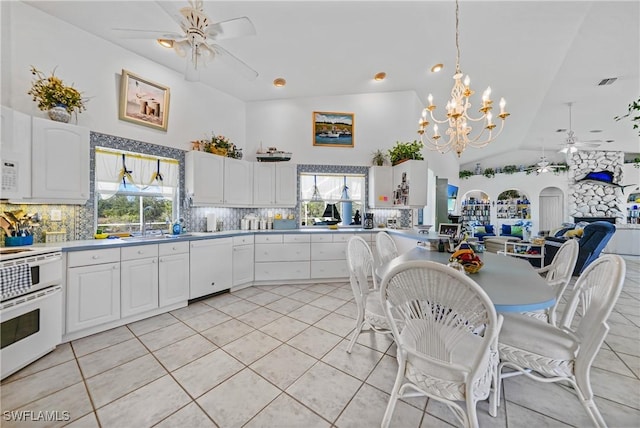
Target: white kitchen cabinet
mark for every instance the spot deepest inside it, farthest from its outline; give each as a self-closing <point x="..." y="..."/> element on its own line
<point x="204" y="176"/>
<point x="173" y="272"/>
<point x="380" y="187"/>
<point x="238" y="183"/>
<point x="138" y="279"/>
<point x="282" y="257"/>
<point x="274" y="184"/>
<point x="139" y="286"/>
<point x="210" y="266"/>
<point x="243" y="259"/>
<point x="60" y="162"/>
<point x="15" y="152"/>
<point x="411" y="176"/>
<point x="93" y="288"/>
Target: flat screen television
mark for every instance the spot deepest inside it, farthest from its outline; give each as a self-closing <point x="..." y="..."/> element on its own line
<point x="452" y="197"/>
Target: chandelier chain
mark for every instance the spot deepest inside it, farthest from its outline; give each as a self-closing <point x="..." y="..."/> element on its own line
<point x="459" y="131"/>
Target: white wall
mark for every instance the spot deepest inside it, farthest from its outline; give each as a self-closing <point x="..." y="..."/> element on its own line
<point x="531" y="185"/>
<point x="93" y="66"/>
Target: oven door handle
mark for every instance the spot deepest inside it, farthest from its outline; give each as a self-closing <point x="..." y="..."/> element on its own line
<point x="45" y="262"/>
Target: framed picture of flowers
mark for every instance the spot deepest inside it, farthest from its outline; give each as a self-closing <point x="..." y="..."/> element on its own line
<point x="143" y="102"/>
<point x="333" y="129"/>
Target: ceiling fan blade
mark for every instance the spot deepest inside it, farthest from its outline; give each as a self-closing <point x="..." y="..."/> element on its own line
<point x="232" y="28"/>
<point x="232" y="61"/>
<point x="126" y="33"/>
<point x="585" y="144"/>
<point x="172" y="12"/>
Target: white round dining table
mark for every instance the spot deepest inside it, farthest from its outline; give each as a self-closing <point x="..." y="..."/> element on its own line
<point x="512" y="284"/>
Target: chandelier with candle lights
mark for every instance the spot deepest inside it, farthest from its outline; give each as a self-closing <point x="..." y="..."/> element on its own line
<point x="459" y="132"/>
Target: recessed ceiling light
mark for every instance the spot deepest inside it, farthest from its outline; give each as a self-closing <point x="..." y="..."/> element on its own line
<point x="279" y="82"/>
<point x="165" y="43"/>
<point x="380" y="76"/>
<point x="437" y="68"/>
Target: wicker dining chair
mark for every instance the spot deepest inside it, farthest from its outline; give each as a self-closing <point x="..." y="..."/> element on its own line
<point x="365" y="289"/>
<point x="558" y="275"/>
<point x="385" y="247"/>
<point x="549" y="353"/>
<point x="447" y="349"/>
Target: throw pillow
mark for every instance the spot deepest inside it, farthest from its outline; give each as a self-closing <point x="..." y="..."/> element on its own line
<point x="516" y="230"/>
<point x="506" y="229"/>
<point x="489" y="228"/>
<point x="575" y="233"/>
<point x="480" y="229"/>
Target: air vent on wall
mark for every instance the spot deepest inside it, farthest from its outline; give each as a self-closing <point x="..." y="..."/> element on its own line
<point x="607" y="81"/>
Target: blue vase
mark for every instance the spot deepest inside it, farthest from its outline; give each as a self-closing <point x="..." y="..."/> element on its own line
<point x="59" y="113"/>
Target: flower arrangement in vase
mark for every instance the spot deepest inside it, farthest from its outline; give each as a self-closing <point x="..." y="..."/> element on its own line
<point x="54" y="96"/>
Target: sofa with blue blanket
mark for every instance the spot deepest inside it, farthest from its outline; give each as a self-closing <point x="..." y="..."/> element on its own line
<point x="515" y="230"/>
<point x="480" y="231"/>
<point x="593" y="237"/>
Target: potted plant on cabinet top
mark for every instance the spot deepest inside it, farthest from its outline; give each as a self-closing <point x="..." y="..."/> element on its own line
<point x="53" y="96"/>
<point x="379" y="158"/>
<point x="405" y="151"/>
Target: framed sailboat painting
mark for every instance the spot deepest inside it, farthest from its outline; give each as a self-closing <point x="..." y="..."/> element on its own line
<point x="331" y="129"/>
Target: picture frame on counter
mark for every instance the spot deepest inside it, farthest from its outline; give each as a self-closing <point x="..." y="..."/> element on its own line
<point x="143" y="101"/>
<point x="332" y="129"/>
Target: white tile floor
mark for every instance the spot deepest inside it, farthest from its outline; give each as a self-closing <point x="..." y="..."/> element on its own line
<point x="274" y="356"/>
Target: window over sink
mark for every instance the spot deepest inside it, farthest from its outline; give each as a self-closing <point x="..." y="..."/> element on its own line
<point x="331" y="198"/>
<point x="135" y="192"/>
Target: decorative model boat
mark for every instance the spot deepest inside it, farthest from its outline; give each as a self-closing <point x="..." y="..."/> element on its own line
<point x="273" y="155"/>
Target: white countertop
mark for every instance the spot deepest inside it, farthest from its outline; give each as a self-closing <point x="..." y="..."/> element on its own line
<point x="91" y="244"/>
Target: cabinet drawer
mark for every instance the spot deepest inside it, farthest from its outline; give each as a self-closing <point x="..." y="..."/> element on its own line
<point x="173" y="248"/>
<point x="268" y="239"/>
<point x="282" y="253"/>
<point x="329" y="251"/>
<point x="93" y="257"/>
<point x="243" y="240"/>
<point x="329" y="269"/>
<point x="344" y="237"/>
<point x="138" y="252"/>
<point x="322" y="237"/>
<point x="296" y="238"/>
<point x="281" y="271"/>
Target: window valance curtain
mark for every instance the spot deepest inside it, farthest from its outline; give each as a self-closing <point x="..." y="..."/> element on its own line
<point x="135" y="174"/>
<point x="331" y="187"/>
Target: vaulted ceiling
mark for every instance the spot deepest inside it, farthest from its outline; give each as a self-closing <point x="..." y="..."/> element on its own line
<point x="539" y="55"/>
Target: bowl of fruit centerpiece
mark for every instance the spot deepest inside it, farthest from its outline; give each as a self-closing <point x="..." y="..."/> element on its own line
<point x="465" y="256"/>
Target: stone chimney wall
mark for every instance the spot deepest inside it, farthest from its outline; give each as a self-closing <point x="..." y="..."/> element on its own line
<point x="591" y="199"/>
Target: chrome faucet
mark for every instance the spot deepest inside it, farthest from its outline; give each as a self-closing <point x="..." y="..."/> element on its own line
<point x="143" y="230"/>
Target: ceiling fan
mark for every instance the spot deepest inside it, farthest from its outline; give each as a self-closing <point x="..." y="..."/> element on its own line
<point x="198" y="37"/>
<point x="543" y="165"/>
<point x="571" y="143"/>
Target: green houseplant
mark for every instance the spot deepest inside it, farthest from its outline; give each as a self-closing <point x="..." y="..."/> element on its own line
<point x="632" y="109"/>
<point x="50" y="92"/>
<point x="379" y="158"/>
<point x="405" y="151"/>
<point x="465" y="174"/>
<point x="489" y="172"/>
<point x="510" y="169"/>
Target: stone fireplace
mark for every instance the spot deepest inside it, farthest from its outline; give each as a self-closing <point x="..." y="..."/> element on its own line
<point x="588" y="199"/>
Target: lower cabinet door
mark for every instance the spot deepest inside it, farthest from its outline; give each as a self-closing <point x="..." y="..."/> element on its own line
<point x="282" y="271"/>
<point x="173" y="281"/>
<point x="93" y="295"/>
<point x="329" y="269"/>
<point x="139" y="286"/>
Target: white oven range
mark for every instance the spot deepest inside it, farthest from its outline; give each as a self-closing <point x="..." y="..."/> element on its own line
<point x="30" y="318"/>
